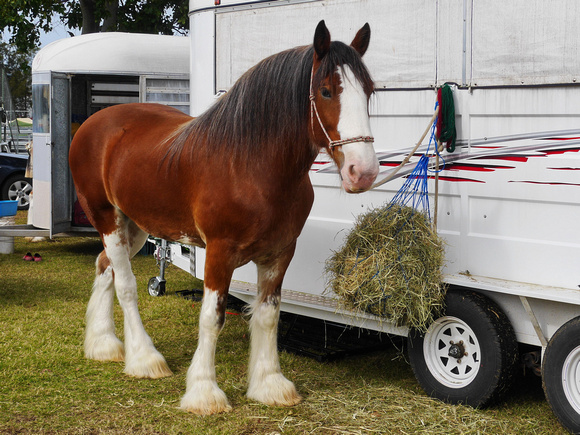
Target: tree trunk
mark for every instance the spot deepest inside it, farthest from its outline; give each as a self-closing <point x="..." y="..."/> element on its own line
<point x="110" y="22"/>
<point x="90" y="24"/>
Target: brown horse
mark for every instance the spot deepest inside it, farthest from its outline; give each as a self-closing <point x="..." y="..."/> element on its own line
<point x="241" y="173"/>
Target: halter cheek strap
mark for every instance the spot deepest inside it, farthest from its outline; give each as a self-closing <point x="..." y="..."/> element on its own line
<point x="314" y="111"/>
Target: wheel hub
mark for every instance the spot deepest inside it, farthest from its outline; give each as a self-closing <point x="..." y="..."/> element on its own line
<point x="456" y="350"/>
<point x="156" y="286"/>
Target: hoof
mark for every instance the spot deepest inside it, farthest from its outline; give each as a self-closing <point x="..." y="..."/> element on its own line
<point x="147" y="365"/>
<point x="205" y="398"/>
<point x="274" y="389"/>
<point x="104" y="348"/>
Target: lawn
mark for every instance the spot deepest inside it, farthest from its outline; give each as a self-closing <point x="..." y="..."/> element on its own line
<point x="47" y="386"/>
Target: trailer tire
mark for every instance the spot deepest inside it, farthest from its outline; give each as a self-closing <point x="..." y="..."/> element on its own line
<point x="561" y="374"/>
<point x="156" y="286"/>
<point x="469" y="355"/>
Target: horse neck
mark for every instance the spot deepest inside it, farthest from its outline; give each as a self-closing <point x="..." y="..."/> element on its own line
<point x="263" y="122"/>
<point x="295" y="160"/>
<point x="280" y="165"/>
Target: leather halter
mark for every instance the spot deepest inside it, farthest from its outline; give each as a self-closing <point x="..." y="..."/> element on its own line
<point x="314" y="111"/>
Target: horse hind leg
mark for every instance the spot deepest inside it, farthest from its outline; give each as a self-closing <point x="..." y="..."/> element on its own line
<point x="101" y="343"/>
<point x="114" y="272"/>
<point x="142" y="360"/>
<point x="266" y="382"/>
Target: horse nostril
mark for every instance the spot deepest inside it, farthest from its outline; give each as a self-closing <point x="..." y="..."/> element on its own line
<point x="352" y="172"/>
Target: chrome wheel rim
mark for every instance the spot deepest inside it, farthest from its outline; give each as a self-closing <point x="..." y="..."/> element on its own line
<point x="20" y="191"/>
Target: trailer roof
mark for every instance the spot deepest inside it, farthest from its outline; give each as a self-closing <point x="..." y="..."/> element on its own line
<point x="115" y="53"/>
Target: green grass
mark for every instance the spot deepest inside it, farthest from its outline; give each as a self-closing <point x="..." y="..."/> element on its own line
<point x="47" y="386"/>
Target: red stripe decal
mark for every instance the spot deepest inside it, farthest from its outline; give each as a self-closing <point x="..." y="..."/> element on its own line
<point x="477" y="168"/>
<point x="511" y="158"/>
<point x="456" y="179"/>
<point x="548" y="183"/>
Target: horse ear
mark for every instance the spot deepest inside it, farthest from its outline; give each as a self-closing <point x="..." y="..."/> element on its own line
<point x="321" y="40"/>
<point x="361" y="41"/>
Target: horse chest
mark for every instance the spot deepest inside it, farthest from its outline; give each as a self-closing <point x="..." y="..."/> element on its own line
<point x="256" y="220"/>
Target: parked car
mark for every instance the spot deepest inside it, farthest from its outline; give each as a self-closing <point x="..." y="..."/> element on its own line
<point x="13" y="183"/>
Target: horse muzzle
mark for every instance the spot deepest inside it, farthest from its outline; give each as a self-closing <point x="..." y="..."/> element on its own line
<point x="359" y="176"/>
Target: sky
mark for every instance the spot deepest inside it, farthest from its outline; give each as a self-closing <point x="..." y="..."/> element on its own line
<point x="59" y="31"/>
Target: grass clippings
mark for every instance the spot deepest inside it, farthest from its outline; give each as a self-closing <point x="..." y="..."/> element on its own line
<point x="390" y="266"/>
<point x="48" y="387"/>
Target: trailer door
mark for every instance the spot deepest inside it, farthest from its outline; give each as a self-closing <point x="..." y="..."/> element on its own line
<point x="61" y="182"/>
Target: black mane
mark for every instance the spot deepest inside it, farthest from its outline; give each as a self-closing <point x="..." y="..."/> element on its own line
<point x="266" y="113"/>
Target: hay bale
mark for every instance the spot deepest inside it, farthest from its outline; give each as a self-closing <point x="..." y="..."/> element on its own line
<point x="390" y="266"/>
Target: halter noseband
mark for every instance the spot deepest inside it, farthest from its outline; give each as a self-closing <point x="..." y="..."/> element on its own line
<point x="314" y="111"/>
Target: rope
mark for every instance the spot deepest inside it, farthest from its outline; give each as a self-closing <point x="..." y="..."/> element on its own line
<point x="446" y="132"/>
<point x="436" y="206"/>
<point x="406" y="160"/>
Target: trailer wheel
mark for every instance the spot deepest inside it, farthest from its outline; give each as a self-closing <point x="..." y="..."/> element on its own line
<point x="467" y="356"/>
<point x="156" y="286"/>
<point x="561" y="374"/>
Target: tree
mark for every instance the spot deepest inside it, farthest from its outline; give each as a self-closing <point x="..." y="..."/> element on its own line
<point x="25" y="18"/>
<point x="18" y="71"/>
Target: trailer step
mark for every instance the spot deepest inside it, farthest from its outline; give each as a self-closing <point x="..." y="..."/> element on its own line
<point x="319" y="307"/>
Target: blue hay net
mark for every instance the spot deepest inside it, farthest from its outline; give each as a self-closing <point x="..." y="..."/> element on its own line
<point x="414" y="192"/>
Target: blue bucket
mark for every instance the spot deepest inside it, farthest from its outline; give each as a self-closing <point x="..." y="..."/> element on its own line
<point x="8" y="208"/>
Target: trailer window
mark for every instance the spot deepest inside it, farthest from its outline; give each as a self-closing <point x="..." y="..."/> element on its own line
<point x="40" y="108"/>
<point x="172" y="92"/>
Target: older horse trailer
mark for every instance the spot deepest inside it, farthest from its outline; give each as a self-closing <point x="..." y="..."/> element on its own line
<point x="72" y="79"/>
<point x="509" y="195"/>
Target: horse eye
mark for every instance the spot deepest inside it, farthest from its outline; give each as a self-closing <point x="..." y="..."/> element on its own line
<point x="325" y="93"/>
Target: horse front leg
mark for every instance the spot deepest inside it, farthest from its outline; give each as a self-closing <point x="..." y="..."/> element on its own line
<point x="203" y="395"/>
<point x="267" y="384"/>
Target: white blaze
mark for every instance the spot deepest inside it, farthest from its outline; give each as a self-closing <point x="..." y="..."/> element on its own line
<point x="361" y="165"/>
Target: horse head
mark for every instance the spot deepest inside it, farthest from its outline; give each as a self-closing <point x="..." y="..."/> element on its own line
<point x="339" y="94"/>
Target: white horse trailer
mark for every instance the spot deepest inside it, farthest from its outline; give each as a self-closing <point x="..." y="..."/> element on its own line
<point x="73" y="78"/>
<point x="509" y="196"/>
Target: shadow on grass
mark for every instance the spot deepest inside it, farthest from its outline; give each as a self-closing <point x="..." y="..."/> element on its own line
<point x="66" y="271"/>
<point x="90" y="246"/>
